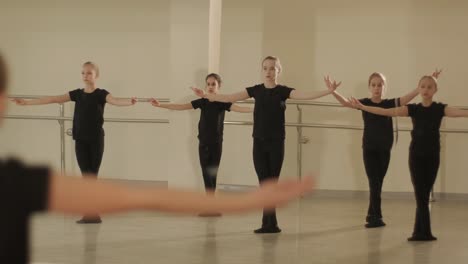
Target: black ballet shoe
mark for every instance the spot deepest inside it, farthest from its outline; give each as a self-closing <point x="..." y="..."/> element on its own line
<point x="267" y="230"/>
<point x="375" y="223"/>
<point x="422" y="238"/>
<point x="210" y="215"/>
<point x="85" y="220"/>
<point x="371" y="218"/>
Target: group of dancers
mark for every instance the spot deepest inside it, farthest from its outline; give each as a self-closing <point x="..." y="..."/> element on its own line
<point x="268" y="145"/>
<point x="26" y="189"/>
<point x="424" y="158"/>
<point x="269" y="126"/>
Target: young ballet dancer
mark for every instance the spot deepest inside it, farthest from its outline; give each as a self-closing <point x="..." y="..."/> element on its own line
<point x="377" y="139"/>
<point x="210" y="130"/>
<point x="26" y="189"/>
<point x="88" y="119"/>
<point x="424" y="154"/>
<point x="269" y="125"/>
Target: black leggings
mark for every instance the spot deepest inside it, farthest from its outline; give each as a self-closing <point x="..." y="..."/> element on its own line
<point x="89" y="155"/>
<point x="423" y="168"/>
<point x="268" y="156"/>
<point x="210" y="157"/>
<point x="376" y="164"/>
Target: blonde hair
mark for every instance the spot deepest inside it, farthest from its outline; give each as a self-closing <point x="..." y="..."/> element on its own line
<point x="377" y="74"/>
<point x="430" y="78"/>
<point x="276" y="60"/>
<point x="94" y="65"/>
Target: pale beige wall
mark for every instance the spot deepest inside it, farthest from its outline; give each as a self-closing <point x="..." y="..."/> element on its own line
<point x="160" y="48"/>
<point x="350" y="40"/>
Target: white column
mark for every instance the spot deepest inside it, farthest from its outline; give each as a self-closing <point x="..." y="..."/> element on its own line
<point x="214" y="44"/>
<point x="191" y="43"/>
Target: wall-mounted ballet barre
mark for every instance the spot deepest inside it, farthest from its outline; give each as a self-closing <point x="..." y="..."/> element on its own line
<point x="107" y="120"/>
<point x="61" y="119"/>
<point x="346" y="127"/>
<point x="299" y="124"/>
<point x="142" y="99"/>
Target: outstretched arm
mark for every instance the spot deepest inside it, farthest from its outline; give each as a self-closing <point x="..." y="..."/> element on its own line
<point x="225" y="98"/>
<point x="301" y="95"/>
<point x="43" y="100"/>
<point x="397" y="111"/>
<point x="178" y="107"/>
<point x="120" y="101"/>
<point x="75" y="195"/>
<point x="341" y="99"/>
<point x="455" y="112"/>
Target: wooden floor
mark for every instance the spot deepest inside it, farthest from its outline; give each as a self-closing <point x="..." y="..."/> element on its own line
<point x="315" y="230"/>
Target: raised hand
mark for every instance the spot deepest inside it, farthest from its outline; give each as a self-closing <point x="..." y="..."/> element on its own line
<point x="436" y="73"/>
<point x="331" y="85"/>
